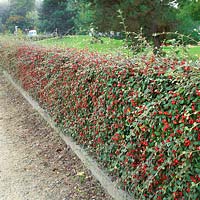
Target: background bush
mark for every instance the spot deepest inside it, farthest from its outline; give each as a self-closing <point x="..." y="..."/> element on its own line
<point x="140" y="118"/>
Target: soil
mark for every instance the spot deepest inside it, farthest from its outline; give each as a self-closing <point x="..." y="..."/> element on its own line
<point x="35" y="164"/>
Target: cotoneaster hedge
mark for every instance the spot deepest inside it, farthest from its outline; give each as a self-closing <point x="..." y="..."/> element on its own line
<point x="140" y="118"/>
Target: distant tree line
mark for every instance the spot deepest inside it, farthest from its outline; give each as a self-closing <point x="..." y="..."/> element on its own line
<point x="19" y="13"/>
<point x="78" y="16"/>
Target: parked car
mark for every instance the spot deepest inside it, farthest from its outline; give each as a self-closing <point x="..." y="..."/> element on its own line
<point x="32" y="33"/>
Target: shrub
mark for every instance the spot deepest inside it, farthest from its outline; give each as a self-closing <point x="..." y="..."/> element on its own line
<point x="140" y="118"/>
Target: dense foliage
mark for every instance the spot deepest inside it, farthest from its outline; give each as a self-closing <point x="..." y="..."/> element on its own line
<point x="140" y="118"/>
<point x="18" y="14"/>
<point x="188" y="19"/>
<point x="80" y="15"/>
<point x="56" y="15"/>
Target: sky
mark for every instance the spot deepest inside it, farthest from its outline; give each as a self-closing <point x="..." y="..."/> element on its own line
<point x="3" y="2"/>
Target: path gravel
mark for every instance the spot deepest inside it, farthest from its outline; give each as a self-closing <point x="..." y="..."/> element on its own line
<point x="35" y="164"/>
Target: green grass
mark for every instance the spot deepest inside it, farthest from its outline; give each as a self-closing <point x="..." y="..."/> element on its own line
<point x="109" y="46"/>
<point x="84" y="42"/>
<point x="195" y="50"/>
<point x="190" y="51"/>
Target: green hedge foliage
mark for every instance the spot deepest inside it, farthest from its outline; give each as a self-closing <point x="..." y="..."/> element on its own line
<point x="140" y="118"/>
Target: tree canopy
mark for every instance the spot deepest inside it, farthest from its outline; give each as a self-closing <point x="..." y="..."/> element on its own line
<point x="16" y="14"/>
<point x="56" y="15"/>
<point x="80" y="15"/>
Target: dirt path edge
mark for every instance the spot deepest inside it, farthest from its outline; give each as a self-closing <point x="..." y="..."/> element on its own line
<point x="91" y="164"/>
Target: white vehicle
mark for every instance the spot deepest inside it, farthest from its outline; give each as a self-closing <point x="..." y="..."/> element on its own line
<point x="32" y="33"/>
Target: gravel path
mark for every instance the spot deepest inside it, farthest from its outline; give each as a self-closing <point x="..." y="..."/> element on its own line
<point x="35" y="164"/>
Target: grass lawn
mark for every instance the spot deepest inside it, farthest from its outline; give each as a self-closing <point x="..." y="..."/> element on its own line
<point x="108" y="46"/>
<point x="84" y="42"/>
<point x="191" y="51"/>
<point x="195" y="50"/>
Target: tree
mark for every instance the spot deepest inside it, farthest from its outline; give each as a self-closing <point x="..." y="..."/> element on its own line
<point x="188" y="16"/>
<point x="32" y="19"/>
<point x="3" y="15"/>
<point x="153" y="16"/>
<point x="15" y="20"/>
<point x="21" y="7"/>
<point x="56" y="15"/>
<point x="195" y="10"/>
<point x="84" y="15"/>
<point x="17" y="14"/>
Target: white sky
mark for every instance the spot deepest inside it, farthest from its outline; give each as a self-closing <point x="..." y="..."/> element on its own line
<point x="4" y="1"/>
